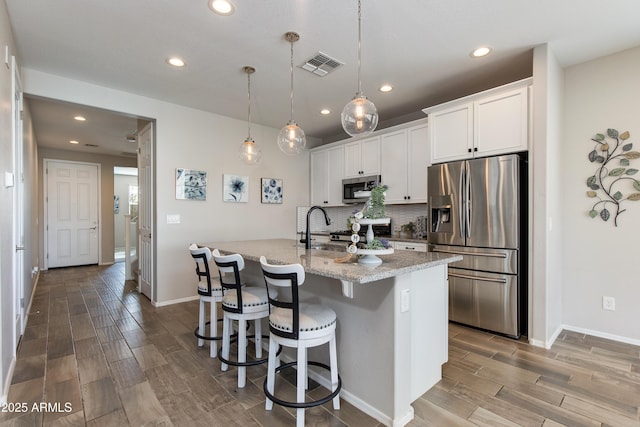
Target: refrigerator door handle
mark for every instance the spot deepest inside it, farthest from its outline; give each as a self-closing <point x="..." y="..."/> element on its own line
<point x="467" y="197"/>
<point x="462" y="199"/>
<point x="482" y="279"/>
<point x="491" y="255"/>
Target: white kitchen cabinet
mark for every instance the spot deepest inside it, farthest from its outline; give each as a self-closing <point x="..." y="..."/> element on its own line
<point x="327" y="166"/>
<point x="410" y="246"/>
<point x="404" y="160"/>
<point x="451" y="133"/>
<point x="501" y="123"/>
<point x="485" y="124"/>
<point x="362" y="157"/>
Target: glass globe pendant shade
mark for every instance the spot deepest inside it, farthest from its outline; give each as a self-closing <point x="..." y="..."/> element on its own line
<point x="360" y="116"/>
<point x="291" y="139"/>
<point x="250" y="152"/>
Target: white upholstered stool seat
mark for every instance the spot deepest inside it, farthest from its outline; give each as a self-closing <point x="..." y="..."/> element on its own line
<point x="301" y="326"/>
<point x="242" y="304"/>
<point x="210" y="291"/>
<point x="315" y="320"/>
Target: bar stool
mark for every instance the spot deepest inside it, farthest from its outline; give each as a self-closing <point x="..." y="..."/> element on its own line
<point x="298" y="325"/>
<point x="242" y="304"/>
<point x="210" y="291"/>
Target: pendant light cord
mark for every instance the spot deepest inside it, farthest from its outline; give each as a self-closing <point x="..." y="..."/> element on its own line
<point x="249" y="104"/>
<point x="291" y="93"/>
<point x="359" y="46"/>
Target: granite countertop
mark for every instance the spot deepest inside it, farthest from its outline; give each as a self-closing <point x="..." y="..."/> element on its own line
<point x="392" y="237"/>
<point x="321" y="261"/>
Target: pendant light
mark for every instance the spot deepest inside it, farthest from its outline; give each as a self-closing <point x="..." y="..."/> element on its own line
<point x="249" y="152"/>
<point x="291" y="138"/>
<point x="359" y="117"/>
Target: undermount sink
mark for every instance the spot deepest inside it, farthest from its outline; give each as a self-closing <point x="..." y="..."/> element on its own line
<point x="325" y="246"/>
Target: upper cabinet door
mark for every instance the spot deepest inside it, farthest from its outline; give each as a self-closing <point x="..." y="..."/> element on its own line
<point x="451" y="133"/>
<point x="501" y="123"/>
<point x="334" y="177"/>
<point x="362" y="157"/>
<point x="352" y="155"/>
<point x="417" y="163"/>
<point x="370" y="162"/>
<point x="327" y="166"/>
<point x="394" y="166"/>
<point x="319" y="185"/>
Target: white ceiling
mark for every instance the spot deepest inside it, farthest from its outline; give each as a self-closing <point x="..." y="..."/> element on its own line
<point x="421" y="47"/>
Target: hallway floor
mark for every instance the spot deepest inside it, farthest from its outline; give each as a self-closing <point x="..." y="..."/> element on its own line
<point x="107" y="357"/>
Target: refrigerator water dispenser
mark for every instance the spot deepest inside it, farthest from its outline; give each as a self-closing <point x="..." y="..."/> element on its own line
<point x="440" y="214"/>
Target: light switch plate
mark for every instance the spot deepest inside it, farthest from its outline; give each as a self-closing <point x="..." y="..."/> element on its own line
<point x="173" y="218"/>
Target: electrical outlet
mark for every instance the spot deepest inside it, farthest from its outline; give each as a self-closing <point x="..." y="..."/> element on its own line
<point x="404" y="300"/>
<point x="608" y="303"/>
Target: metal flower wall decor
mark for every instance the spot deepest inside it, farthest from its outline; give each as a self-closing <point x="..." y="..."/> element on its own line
<point x="613" y="155"/>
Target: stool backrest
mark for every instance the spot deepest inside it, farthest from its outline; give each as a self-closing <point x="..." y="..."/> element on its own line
<point x="202" y="256"/>
<point x="230" y="266"/>
<point x="288" y="276"/>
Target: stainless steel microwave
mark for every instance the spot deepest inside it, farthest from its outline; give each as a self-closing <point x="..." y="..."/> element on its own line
<point x="357" y="190"/>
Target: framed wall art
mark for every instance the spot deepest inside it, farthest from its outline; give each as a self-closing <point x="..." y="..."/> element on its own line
<point x="271" y="190"/>
<point x="235" y="188"/>
<point x="191" y="184"/>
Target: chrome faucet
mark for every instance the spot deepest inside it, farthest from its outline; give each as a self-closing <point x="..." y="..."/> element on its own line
<point x="307" y="243"/>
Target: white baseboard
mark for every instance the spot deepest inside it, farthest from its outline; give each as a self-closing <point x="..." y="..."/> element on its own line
<point x="7" y="382"/>
<point x="548" y="343"/>
<point x="174" y="301"/>
<point x="600" y="334"/>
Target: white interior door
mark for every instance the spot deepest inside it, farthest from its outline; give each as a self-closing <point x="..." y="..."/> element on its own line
<point x="72" y="213"/>
<point x="18" y="207"/>
<point x="145" y="211"/>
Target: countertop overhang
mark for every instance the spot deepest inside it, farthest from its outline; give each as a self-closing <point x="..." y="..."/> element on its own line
<point x="321" y="261"/>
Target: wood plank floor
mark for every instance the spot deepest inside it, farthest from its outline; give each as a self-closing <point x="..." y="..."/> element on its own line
<point x="107" y="357"/>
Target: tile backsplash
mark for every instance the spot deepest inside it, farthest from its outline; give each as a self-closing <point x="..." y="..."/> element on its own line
<point x="399" y="214"/>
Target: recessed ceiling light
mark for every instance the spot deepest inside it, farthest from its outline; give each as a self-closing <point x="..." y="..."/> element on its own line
<point x="386" y="88"/>
<point x="80" y="118"/>
<point x="481" y="51"/>
<point x="73" y="142"/>
<point x="325" y="111"/>
<point x="175" y="61"/>
<point x="222" y="7"/>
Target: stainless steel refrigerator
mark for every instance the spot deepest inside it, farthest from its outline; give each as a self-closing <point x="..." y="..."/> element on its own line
<point x="477" y="208"/>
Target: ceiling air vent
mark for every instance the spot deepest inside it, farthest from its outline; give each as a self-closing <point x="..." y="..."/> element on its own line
<point x="321" y="64"/>
<point x="91" y="145"/>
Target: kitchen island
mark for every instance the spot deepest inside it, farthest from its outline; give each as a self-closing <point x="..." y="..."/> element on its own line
<point x="392" y="319"/>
